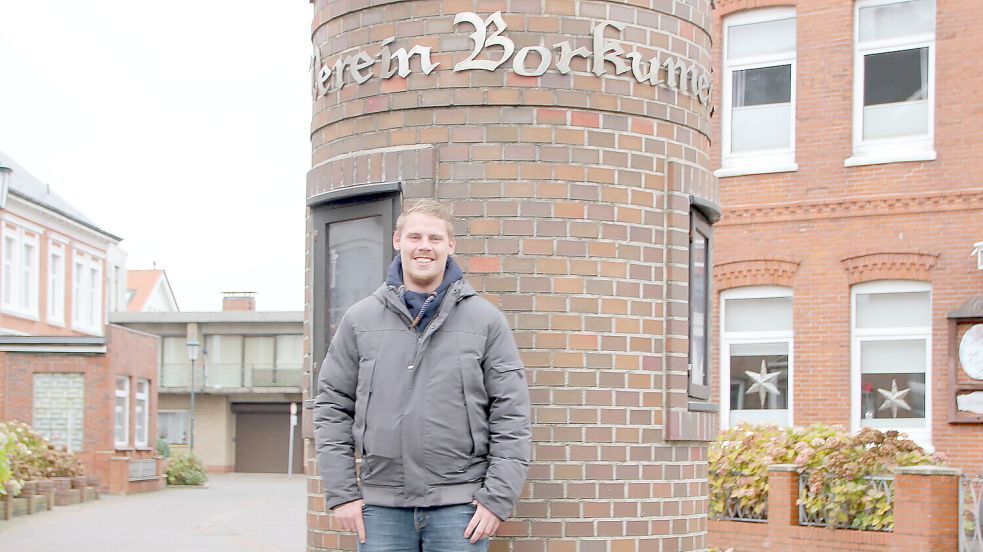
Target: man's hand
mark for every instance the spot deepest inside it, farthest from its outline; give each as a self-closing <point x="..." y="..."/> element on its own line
<point x="483" y="524"/>
<point x="349" y="515"/>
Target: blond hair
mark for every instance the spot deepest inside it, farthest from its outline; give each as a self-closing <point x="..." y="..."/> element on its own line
<point x="430" y="207"/>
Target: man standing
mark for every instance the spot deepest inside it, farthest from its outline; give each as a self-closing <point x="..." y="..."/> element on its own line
<point x="424" y="381"/>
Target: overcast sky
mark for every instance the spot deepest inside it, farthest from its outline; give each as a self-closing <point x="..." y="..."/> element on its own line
<point x="181" y="126"/>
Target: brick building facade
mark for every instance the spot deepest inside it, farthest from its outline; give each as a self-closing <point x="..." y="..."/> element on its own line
<point x="247" y="375"/>
<point x="77" y="380"/>
<point x="73" y="398"/>
<point x="844" y="255"/>
<point x="572" y="141"/>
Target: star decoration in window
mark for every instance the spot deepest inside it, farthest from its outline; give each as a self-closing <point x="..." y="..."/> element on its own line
<point x="894" y="399"/>
<point x="764" y="382"/>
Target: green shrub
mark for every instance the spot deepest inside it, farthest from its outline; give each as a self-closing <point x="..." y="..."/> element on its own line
<point x="185" y="469"/>
<point x="836" y="462"/>
<point x="163" y="448"/>
<point x="7" y="447"/>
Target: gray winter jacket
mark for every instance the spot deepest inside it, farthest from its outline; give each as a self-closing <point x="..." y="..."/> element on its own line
<point x="439" y="418"/>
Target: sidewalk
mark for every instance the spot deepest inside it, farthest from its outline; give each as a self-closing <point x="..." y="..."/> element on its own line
<point x="235" y="512"/>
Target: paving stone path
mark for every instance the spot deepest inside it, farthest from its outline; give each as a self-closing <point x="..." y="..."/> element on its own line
<point x="235" y="512"/>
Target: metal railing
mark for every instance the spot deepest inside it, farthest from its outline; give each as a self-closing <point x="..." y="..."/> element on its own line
<point x="279" y="377"/>
<point x="176" y="375"/>
<point x="873" y="484"/>
<point x="748" y="507"/>
<point x="734" y="510"/>
<point x="970" y="513"/>
<point x="231" y="375"/>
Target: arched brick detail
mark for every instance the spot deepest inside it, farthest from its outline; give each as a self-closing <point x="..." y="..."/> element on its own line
<point x="889" y="266"/>
<point x="757" y="272"/>
<point x="727" y="7"/>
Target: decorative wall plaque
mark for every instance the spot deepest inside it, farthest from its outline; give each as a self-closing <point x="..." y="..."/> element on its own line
<point x="966" y="362"/>
<point x="971" y="352"/>
<point x="971" y="402"/>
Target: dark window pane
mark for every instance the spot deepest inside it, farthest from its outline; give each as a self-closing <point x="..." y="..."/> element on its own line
<point x="767" y="85"/>
<point x="894" y="77"/>
<point x="750" y="364"/>
<point x="876" y="392"/>
<point x="354" y="264"/>
<point x="698" y="308"/>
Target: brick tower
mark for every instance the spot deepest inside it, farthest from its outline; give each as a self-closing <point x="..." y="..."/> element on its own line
<point x="572" y="141"/>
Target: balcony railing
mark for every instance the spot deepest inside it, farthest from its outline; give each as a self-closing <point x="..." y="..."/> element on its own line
<point x="276" y="377"/>
<point x="971" y="513"/>
<point x="217" y="376"/>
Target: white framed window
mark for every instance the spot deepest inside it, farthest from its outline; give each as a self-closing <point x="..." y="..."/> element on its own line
<point x="758" y="124"/>
<point x="289" y="352"/>
<point x="142" y="412"/>
<point x="87" y="305"/>
<point x="224" y="363"/>
<point x="121" y="418"/>
<point x="756" y="344"/>
<point x="21" y="274"/>
<point x="894" y="88"/>
<point x="175" y="369"/>
<point x="173" y="426"/>
<point x="891" y="350"/>
<point x="9" y="268"/>
<point x="56" y="283"/>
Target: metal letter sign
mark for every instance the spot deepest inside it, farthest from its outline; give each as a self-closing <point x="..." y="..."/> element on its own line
<point x="482" y="40"/>
<point x="680" y="75"/>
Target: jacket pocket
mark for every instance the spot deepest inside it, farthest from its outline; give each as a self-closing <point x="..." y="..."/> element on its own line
<point x="363" y="394"/>
<point x="449" y="445"/>
<point x="476" y="402"/>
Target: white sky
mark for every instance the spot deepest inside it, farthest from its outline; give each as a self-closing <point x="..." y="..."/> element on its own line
<point x="180" y="126"/>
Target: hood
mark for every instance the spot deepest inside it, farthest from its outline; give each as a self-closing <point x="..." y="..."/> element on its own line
<point x="452" y="273"/>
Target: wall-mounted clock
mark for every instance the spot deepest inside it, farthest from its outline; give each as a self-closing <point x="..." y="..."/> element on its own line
<point x="971" y="352"/>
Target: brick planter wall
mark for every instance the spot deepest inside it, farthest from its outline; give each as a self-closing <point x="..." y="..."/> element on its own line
<point x="129" y="353"/>
<point x="926" y="518"/>
<point x="572" y="198"/>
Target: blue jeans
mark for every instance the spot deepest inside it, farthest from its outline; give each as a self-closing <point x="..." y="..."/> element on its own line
<point x="436" y="529"/>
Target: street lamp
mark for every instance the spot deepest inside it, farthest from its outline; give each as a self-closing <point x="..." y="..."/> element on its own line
<point x="4" y="184"/>
<point x="193" y="347"/>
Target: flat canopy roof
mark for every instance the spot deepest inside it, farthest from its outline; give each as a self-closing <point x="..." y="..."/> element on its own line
<point x="220" y="316"/>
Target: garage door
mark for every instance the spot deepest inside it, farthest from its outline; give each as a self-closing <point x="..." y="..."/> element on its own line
<point x="262" y="438"/>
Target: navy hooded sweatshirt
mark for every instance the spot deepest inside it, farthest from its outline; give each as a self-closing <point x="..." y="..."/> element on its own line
<point x="423" y="306"/>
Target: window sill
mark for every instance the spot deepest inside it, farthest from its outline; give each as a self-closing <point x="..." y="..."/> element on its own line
<point x="921" y="436"/>
<point x="728" y="172"/>
<point x="90" y="331"/>
<point x="701" y="406"/>
<point x="27" y="315"/>
<point x="901" y="156"/>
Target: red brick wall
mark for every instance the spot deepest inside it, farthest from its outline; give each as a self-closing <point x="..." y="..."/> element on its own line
<point x="926" y="518"/>
<point x="572" y="197"/>
<point x="130" y="353"/>
<point x="238" y="303"/>
<point x="825" y="227"/>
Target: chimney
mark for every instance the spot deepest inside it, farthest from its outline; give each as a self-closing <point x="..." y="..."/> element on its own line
<point x="239" y="301"/>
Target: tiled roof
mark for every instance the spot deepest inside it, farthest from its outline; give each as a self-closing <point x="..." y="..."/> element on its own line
<point x="141" y="283"/>
<point x="23" y="184"/>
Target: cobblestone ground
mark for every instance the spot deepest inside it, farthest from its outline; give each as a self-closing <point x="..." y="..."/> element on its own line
<point x="235" y="512"/>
